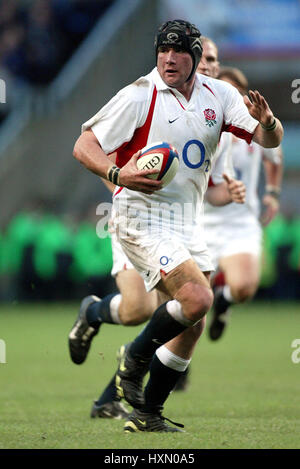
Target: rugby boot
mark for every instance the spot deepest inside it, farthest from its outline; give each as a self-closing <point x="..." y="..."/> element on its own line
<point x="110" y="410"/>
<point x="82" y="333"/>
<point x="139" y="421"/>
<point x="129" y="377"/>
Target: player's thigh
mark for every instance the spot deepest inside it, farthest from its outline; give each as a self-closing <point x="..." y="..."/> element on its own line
<point x="241" y="271"/>
<point x="137" y="305"/>
<point x="190" y="286"/>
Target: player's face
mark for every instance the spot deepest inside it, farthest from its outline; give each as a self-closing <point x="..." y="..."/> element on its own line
<point x="209" y="64"/>
<point x="174" y="66"/>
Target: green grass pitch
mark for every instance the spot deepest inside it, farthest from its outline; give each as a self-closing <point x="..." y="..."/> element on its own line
<point x="244" y="389"/>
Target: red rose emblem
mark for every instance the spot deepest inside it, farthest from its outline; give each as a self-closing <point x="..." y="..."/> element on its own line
<point x="209" y="114"/>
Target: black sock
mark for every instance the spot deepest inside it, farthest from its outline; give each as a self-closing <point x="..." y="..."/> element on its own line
<point x="161" y="328"/>
<point x="161" y="382"/>
<point x="221" y="304"/>
<point x="183" y="380"/>
<point x="109" y="394"/>
<point x="99" y="312"/>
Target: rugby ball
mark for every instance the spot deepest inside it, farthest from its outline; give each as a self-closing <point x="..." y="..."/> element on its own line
<point x="161" y="156"/>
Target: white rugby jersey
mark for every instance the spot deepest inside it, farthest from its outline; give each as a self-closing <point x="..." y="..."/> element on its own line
<point x="223" y="162"/>
<point x="246" y="162"/>
<point x="149" y="111"/>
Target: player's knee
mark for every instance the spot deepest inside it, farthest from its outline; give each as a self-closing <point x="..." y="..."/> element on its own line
<point x="243" y="291"/>
<point x="196" y="300"/>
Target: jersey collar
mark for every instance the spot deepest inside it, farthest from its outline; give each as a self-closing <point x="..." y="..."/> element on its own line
<point x="162" y="86"/>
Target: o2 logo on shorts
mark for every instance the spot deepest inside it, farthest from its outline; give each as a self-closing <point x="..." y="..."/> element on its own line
<point x="164" y="260"/>
<point x="202" y="160"/>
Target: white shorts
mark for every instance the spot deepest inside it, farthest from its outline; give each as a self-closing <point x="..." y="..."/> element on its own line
<point x="151" y="255"/>
<point x="120" y="260"/>
<point x="226" y="240"/>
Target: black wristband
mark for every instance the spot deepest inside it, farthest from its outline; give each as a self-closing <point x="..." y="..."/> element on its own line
<point x="270" y="127"/>
<point x="274" y="191"/>
<point x="274" y="194"/>
<point x="113" y="175"/>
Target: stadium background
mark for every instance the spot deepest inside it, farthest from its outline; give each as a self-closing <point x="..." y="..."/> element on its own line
<point x="60" y="61"/>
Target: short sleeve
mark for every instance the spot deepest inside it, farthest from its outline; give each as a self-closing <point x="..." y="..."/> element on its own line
<point x="117" y="121"/>
<point x="237" y="119"/>
<point x="273" y="154"/>
<point x="223" y="161"/>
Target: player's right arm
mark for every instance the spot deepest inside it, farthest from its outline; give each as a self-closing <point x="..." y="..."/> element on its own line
<point x="273" y="166"/>
<point x="270" y="131"/>
<point x="88" y="152"/>
<point x="250" y="119"/>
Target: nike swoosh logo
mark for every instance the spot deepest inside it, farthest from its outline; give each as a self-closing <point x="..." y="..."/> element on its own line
<point x="142" y="422"/>
<point x="157" y="342"/>
<point x="73" y="333"/>
<point x="171" y="121"/>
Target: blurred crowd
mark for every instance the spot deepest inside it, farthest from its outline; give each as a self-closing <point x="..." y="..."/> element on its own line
<point x="47" y="257"/>
<point x="37" y="37"/>
<point x="280" y="278"/>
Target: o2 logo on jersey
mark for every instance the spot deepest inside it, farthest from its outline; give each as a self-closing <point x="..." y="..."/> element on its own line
<point x="202" y="160"/>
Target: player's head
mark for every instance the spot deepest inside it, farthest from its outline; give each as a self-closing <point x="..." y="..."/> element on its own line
<point x="235" y="77"/>
<point x="180" y="35"/>
<point x="209" y="64"/>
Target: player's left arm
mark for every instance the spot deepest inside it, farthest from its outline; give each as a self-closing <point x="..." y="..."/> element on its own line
<point x="273" y="177"/>
<point x="231" y="190"/>
<point x="269" y="132"/>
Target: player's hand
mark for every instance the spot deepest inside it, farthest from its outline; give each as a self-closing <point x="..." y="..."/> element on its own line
<point x="135" y="179"/>
<point x="271" y="208"/>
<point x="236" y="188"/>
<point x="258" y="108"/>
